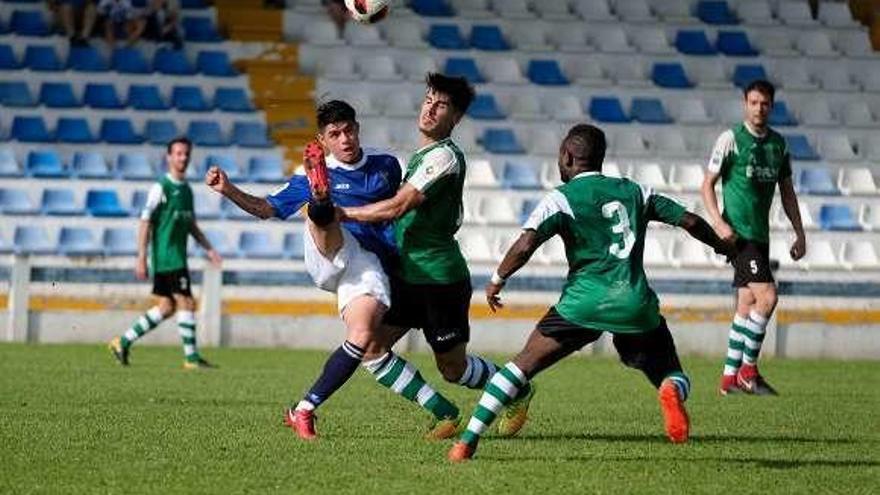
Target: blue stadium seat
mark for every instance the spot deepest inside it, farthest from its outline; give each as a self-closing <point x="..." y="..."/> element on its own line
<point x="200" y="29"/>
<point x="432" y="8"/>
<point x="134" y="166"/>
<point x="8" y="164"/>
<point x="446" y="37"/>
<point x="86" y="59"/>
<point x="251" y="135"/>
<point x="715" y="12"/>
<point x="215" y="64"/>
<point x="489" y="38"/>
<point x="78" y="241"/>
<point x="32" y="239"/>
<point x="204" y="133"/>
<point x="607" y="109"/>
<point x="817" y="181"/>
<point x="265" y="169"/>
<point x="225" y="162"/>
<point x="546" y="73"/>
<point x="58" y="95"/>
<point x="3" y="30"/>
<point x="221" y="243"/>
<point x="16" y="202"/>
<point x="501" y="140"/>
<point x="293" y="246"/>
<point x="735" y="44"/>
<point x="104" y="203"/>
<point x="649" y="111"/>
<point x="74" y="130"/>
<point x="670" y="75"/>
<point x="743" y="74"/>
<point x="172" y="62"/>
<point x="189" y="99"/>
<point x="259" y="245"/>
<point x="119" y="131"/>
<point x="780" y="116"/>
<point x="45" y="164"/>
<point x="520" y="175"/>
<point x="90" y="165"/>
<point x="694" y="43"/>
<point x="463" y="67"/>
<point x="60" y="202"/>
<point x="231" y="211"/>
<point x="160" y="131"/>
<point x="800" y="148"/>
<point x="28" y="129"/>
<point x="120" y="241"/>
<point x="232" y="100"/>
<point x="838" y="217"/>
<point x="129" y="60"/>
<point x="29" y="23"/>
<point x="42" y="58"/>
<point x="138" y="202"/>
<point x="101" y="96"/>
<point x="16" y="94"/>
<point x="484" y="107"/>
<point x="8" y="61"/>
<point x="146" y="97"/>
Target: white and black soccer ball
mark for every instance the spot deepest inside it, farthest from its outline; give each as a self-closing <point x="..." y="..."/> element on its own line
<point x="368" y="11"/>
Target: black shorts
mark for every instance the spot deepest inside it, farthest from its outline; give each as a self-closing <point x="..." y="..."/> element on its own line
<point x="440" y="310"/>
<point x="752" y="263"/>
<point x="653" y="351"/>
<point x="167" y="284"/>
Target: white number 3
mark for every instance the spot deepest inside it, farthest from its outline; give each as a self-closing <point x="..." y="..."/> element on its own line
<point x="622" y="227"/>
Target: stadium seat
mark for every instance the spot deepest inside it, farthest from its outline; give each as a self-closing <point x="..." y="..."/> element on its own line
<point x="526" y="106"/>
<point x="691" y="42"/>
<point x="634" y="11"/>
<point x="205" y="133"/>
<point x="221" y="243"/>
<point x="670" y="75"/>
<point x="364" y="35"/>
<point x="172" y="62"/>
<point x="795" y="13"/>
<point x="90" y="165"/>
<point x="689" y="253"/>
<point x="30" y="129"/>
<point x="146" y="97"/>
<point x="859" y="255"/>
<point x="857" y="114"/>
<point x="837" y="147"/>
<point x="463" y="67"/>
<point x="129" y="60"/>
<point x="9" y="164"/>
<point x="58" y="95"/>
<point x="504" y="71"/>
<point x="8" y="61"/>
<point x="817" y="181"/>
<point x="800" y="148"/>
<point x="160" y="131"/>
<point x="16" y="94"/>
<point x="480" y="174"/>
<point x="86" y="59"/>
<point x="501" y="140"/>
<point x="553" y="252"/>
<point x="529" y="37"/>
<point x="405" y="35"/>
<point x="251" y="135"/>
<point x="650" y="174"/>
<point x="120" y="241"/>
<point x="856" y="180"/>
<point x="607" y="109"/>
<point x="207" y="205"/>
<point x="735" y="44"/>
<point x="520" y="175"/>
<point x="138" y="202"/>
<point x="379" y="68"/>
<point x="649" y="111"/>
<point x="755" y="13"/>
<point x="322" y="33"/>
<point x="715" y="12"/>
<point x="686" y="177"/>
<point x="476" y="248"/>
<point x="215" y="64"/>
<point x="743" y="74"/>
<point x="526" y="209"/>
<point x="45" y="164"/>
<point x="593" y="10"/>
<point x="652" y="41"/>
<point x="838" y="217"/>
<point x="854" y="44"/>
<point x="78" y="241"/>
<point x="573" y="39"/>
<point x="692" y="111"/>
<point x="293" y="247"/>
<point x="432" y="8"/>
<point x="101" y="96"/>
<point x="654" y="253"/>
<point x="446" y="37"/>
<point x="484" y="107"/>
<point x="780" y="116"/>
<point x="562" y="108"/>
<point x="816" y="112"/>
<point x="60" y="202"/>
<point x="836" y="15"/>
<point x="189" y="99"/>
<point x="797" y="78"/>
<point x="513" y="9"/>
<point x="553" y="10"/>
<point x="546" y="73"/>
<point x="489" y="38"/>
<point x="32" y="239"/>
<point x="496" y="210"/>
<point x="42" y="58"/>
<point x="259" y="245"/>
<point x="401" y="104"/>
<point x="265" y="169"/>
<point x="119" y="131"/>
<point x="820" y="256"/>
<point x="15" y="201"/>
<point x="234" y="100"/>
<point x="134" y="166"/>
<point x="200" y="29"/>
<point x="29" y="23"/>
<point x="104" y="203"/>
<point x="225" y="162"/>
<point x="815" y="44"/>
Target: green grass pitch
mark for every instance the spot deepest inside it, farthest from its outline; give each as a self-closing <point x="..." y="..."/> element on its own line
<point x="72" y="421"/>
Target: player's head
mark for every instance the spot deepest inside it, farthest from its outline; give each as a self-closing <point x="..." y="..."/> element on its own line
<point x="177" y="154"/>
<point x="582" y="150"/>
<point x="338" y="130"/>
<point x="758" y="101"/>
<point x="446" y="100"/>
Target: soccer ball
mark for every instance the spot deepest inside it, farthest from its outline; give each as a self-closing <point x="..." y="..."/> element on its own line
<point x="367" y="11"/>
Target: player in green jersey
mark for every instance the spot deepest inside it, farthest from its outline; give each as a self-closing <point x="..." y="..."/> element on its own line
<point x="602" y="222"/>
<point x="166" y="223"/>
<point x="751" y="159"/>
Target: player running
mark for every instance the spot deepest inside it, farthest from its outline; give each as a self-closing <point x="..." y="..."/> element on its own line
<point x="751" y="159"/>
<point x="348" y="259"/>
<point x="602" y="221"/>
<point x="167" y="221"/>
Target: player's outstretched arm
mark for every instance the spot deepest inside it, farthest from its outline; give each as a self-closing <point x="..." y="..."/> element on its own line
<point x="407" y="198"/>
<point x="515" y="258"/>
<point x="792" y="211"/>
<point x="216" y="179"/>
<point x="700" y="230"/>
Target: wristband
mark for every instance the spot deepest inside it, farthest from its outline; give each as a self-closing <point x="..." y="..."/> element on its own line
<point x="498" y="279"/>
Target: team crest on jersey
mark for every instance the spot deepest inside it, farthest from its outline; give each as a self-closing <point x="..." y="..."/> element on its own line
<point x="342" y="187"/>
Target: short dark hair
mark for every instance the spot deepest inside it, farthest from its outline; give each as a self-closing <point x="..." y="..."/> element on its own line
<point x="586" y="143"/>
<point x="762" y="86"/>
<point x="333" y="111"/>
<point x="179" y="140"/>
<point x="459" y="90"/>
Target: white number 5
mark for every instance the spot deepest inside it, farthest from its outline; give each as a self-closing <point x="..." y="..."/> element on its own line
<point x="621" y="227"/>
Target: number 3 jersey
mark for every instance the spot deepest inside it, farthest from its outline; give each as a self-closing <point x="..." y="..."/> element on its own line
<point x="602" y="222"/>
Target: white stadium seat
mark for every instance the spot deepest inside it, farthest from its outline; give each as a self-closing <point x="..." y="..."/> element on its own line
<point x="673" y="11"/>
<point x="797" y="77"/>
<point x="815" y="112"/>
<point x="481" y="174"/>
<point x="322" y="32"/>
<point x="652" y="40"/>
<point x="815" y="44"/>
<point x="417" y="66"/>
<point x="593" y="10"/>
<point x="611" y="39"/>
<point x="363" y="104"/>
<point x="587" y="73"/>
<point x="795" y="13"/>
<point x="529" y="37"/>
<point x="820" y="256"/>
<point x="630" y="143"/>
<point x="476" y="248"/>
<point x="654" y="253"/>
<point x="405" y="34"/>
<point x="857" y="114"/>
<point x="670" y="143"/>
<point x="707" y="73"/>
<point x="496" y="209"/>
<point x="473" y="9"/>
<point x="686" y="177"/>
<point x="854" y="44"/>
<point x="553" y="10"/>
<point x="754" y="12"/>
<point x="837" y="78"/>
<point x="691" y="111"/>
<point x="359" y="35"/>
<point x="563" y="108"/>
<point x="379" y="68"/>
<point x="689" y="253"/>
<point x="550" y="177"/>
<point x="572" y="39"/>
<point x="859" y="255"/>
<point x="869" y="217"/>
<point x="836" y="15"/>
<point x="779" y="251"/>
<point x="774" y="42"/>
<point x="525" y="106"/>
<point x="649" y="174"/>
<point x="503" y="70"/>
<point x="544" y="140"/>
<point x="554" y="251"/>
<point x="634" y="11"/>
<point x="512" y="9"/>
<point x="836" y="147"/>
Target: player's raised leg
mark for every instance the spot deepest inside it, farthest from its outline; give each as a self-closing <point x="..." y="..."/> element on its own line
<point x="120" y="346"/>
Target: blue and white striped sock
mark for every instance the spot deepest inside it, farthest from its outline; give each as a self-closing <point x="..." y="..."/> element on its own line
<point x="682" y="383"/>
<point x="337" y="370"/>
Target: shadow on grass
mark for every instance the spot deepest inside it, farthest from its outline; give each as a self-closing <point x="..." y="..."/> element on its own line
<point x="780" y="464"/>
<point x="711" y="438"/>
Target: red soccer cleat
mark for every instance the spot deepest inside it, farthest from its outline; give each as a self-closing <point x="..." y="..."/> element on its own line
<point x="302" y="422"/>
<point x="750" y="381"/>
<point x="316" y="170"/>
<point x="675" y="416"/>
<point x="728" y="385"/>
<point x="460" y="452"/>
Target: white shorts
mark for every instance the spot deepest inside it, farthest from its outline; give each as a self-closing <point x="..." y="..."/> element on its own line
<point x="353" y="272"/>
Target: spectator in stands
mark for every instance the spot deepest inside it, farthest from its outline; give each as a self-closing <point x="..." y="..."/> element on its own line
<point x="67" y="12"/>
<point x="338" y="13"/>
<point x="162" y="19"/>
<point x="120" y="18"/>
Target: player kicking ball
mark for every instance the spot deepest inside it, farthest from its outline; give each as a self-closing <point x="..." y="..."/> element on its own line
<point x="602" y="221"/>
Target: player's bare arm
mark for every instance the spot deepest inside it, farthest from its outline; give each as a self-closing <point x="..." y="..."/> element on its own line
<point x="700" y="230"/>
<point x="216" y="179"/>
<point x="406" y="199"/>
<point x="203" y="241"/>
<point x="790" y="205"/>
<point x="710" y="199"/>
<point x="140" y="267"/>
<point x="515" y="258"/>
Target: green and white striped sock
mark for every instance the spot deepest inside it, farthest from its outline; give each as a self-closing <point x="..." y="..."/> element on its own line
<point x="753" y="337"/>
<point x="186" y="327"/>
<point x="142" y="326"/>
<point x="501" y="390"/>
<point x="735" y="345"/>
<point x="402" y="378"/>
